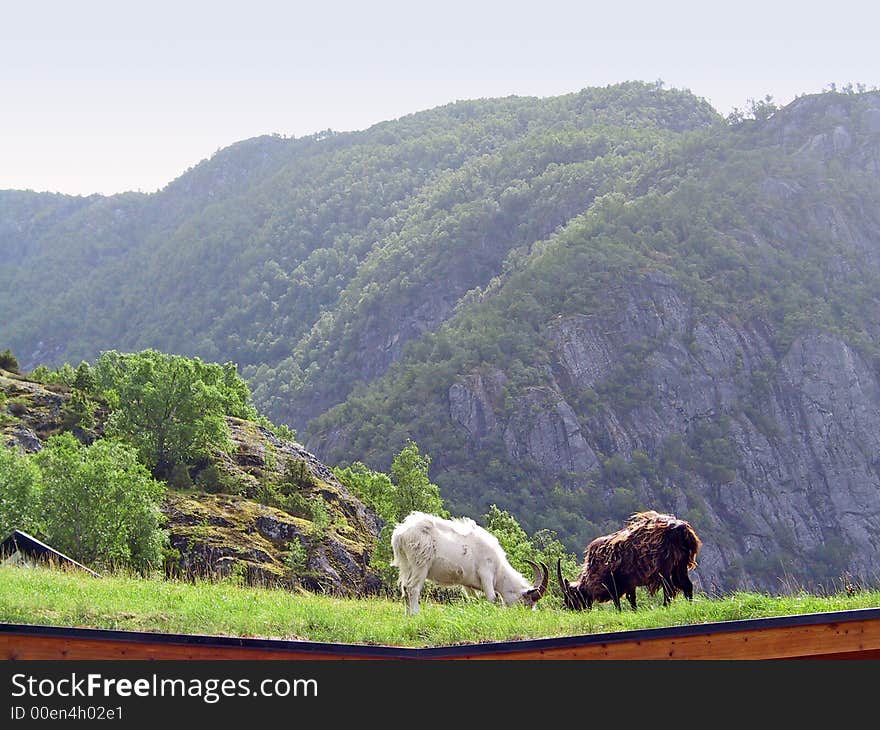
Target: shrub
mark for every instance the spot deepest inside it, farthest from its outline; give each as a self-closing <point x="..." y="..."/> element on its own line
<point x="214" y="480"/>
<point x="78" y="411"/>
<point x="320" y="519"/>
<point x="40" y="374"/>
<point x="297" y="475"/>
<point x="8" y="361"/>
<point x="19" y="493"/>
<point x="99" y="504"/>
<point x="296" y="558"/>
<point x="84" y="378"/>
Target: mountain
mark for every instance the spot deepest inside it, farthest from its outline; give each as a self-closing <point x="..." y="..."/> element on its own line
<point x="251" y="252"/>
<point x="580" y="306"/>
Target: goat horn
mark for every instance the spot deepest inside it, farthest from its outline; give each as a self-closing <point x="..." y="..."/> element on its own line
<point x="570" y="601"/>
<point x="562" y="582"/>
<point x="541" y="577"/>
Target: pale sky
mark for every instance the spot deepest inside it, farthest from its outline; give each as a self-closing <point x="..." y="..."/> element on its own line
<point x="107" y="96"/>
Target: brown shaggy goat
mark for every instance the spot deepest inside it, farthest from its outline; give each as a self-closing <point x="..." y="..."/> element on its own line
<point x="652" y="550"/>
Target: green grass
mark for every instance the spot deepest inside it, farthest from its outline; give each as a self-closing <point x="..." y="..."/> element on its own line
<point x="47" y="597"/>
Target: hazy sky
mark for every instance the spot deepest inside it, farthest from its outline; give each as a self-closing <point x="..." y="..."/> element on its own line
<point x="103" y="97"/>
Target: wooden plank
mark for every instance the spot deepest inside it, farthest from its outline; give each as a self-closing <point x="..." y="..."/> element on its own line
<point x="860" y="639"/>
<point x="845" y="635"/>
<point x="52" y="647"/>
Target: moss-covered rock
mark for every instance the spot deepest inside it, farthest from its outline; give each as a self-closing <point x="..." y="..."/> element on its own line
<point x="218" y="535"/>
<point x="31" y="412"/>
<point x="238" y="533"/>
<point x="266" y="511"/>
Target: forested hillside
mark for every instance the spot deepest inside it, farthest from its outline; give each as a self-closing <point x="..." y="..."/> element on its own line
<point x="579" y="306"/>
<point x="253" y="251"/>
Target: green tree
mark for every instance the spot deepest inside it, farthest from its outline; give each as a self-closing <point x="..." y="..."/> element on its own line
<point x="100" y="505"/>
<point x="513" y="539"/>
<point x="84" y="378"/>
<point x="19" y="493"/>
<point x="544" y="546"/>
<point x="41" y="374"/>
<point x="413" y="489"/>
<point x="762" y="108"/>
<point x="65" y="375"/>
<point x="375" y="489"/>
<point x="78" y="411"/>
<point x="171" y="408"/>
<point x="8" y="361"/>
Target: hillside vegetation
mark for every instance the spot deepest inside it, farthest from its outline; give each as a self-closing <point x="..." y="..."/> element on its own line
<point x="580" y="306"/>
<point x="198" y="493"/>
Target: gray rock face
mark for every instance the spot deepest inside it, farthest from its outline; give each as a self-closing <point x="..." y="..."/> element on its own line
<point x="545" y="430"/>
<point x="470" y="403"/>
<point x="804" y="433"/>
<point x="21" y="437"/>
<point x="871" y="120"/>
<point x="828" y="132"/>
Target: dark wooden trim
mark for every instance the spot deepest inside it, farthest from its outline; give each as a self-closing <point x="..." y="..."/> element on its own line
<point x="851" y="634"/>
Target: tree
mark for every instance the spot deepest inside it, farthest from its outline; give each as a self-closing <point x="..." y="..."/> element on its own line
<point x="373" y="488"/>
<point x="100" y="505"/>
<point x="19" y="493"/>
<point x="413" y="489"/>
<point x="170" y="408"/>
<point x="763" y="108"/>
<point x="84" y="378"/>
<point x="78" y="411"/>
<point x="8" y="361"/>
<point x="376" y="490"/>
<point x="513" y="539"/>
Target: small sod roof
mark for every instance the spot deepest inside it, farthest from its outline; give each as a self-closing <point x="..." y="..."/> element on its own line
<point x="27" y="545"/>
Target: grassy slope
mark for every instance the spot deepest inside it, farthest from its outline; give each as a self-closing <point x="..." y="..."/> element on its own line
<point x="37" y="596"/>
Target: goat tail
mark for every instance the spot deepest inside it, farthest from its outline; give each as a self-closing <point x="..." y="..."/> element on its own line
<point x="396" y="550"/>
<point x="413" y="550"/>
<point x="400" y="562"/>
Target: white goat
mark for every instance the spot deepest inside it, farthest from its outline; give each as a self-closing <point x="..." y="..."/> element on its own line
<point x="458" y="552"/>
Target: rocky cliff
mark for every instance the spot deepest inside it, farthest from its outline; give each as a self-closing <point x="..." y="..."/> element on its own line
<point x="794" y="488"/>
